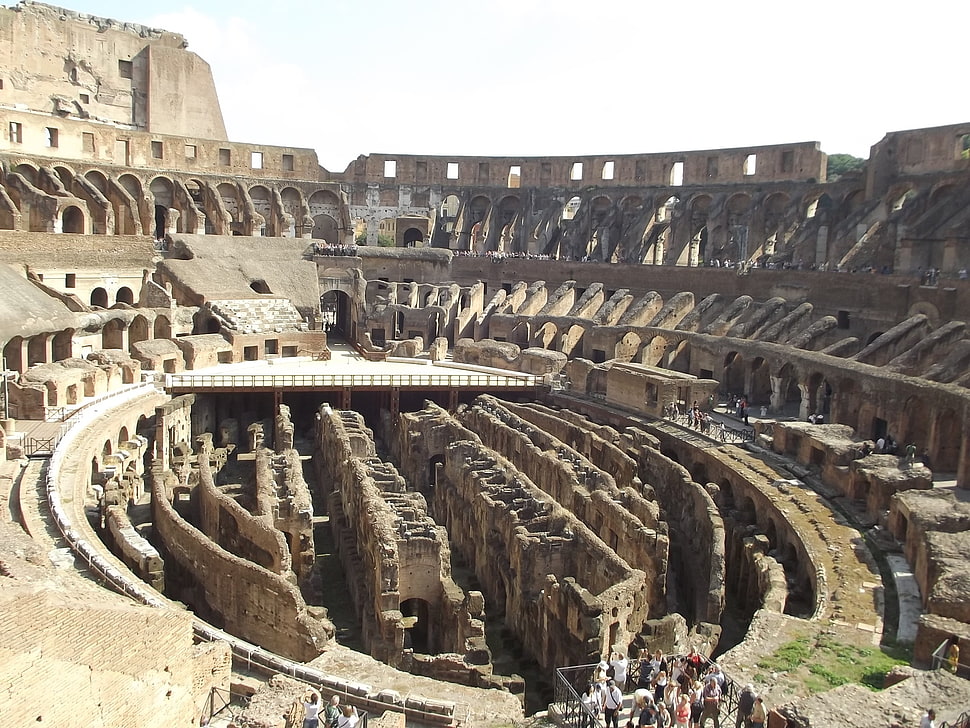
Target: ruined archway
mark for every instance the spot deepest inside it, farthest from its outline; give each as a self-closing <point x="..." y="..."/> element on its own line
<point x="325" y="228"/>
<point x="99" y="297"/>
<point x="72" y="220"/>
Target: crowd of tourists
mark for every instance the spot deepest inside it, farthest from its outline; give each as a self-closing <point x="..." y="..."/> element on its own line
<point x="667" y="692"/>
<point x="326" y="248"/>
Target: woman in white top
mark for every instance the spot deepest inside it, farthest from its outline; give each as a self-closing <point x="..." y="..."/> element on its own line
<point x="348" y="717"/>
<point x="311" y="709"/>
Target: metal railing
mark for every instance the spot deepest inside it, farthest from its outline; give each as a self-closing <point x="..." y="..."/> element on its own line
<point x="941" y="661"/>
<point x="571" y="683"/>
<point x="963" y="721"/>
<point x="324" y="381"/>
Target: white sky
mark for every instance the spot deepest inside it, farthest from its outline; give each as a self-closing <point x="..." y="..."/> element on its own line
<point x="563" y="77"/>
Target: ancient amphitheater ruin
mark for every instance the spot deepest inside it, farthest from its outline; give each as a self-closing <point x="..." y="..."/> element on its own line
<point x="420" y="433"/>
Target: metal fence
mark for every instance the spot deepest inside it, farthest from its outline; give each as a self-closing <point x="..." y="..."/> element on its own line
<point x="572" y="682"/>
<point x="330" y="381"/>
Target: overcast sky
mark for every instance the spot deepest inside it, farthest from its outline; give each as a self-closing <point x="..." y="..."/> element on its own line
<point x="562" y="77"/>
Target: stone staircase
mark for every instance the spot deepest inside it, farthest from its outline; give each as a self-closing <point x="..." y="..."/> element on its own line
<point x="259" y="316"/>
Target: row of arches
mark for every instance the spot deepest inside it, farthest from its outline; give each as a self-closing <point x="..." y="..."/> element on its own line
<point x="101" y="203"/>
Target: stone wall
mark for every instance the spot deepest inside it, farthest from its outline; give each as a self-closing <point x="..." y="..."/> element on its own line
<point x="618" y="513"/>
<point x="403" y="590"/>
<point x="242" y="597"/>
<point x="532" y="555"/>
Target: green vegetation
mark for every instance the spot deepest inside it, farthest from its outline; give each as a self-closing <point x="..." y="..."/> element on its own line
<point x="825" y="662"/>
<point x="839" y="164"/>
<point x="385" y="241"/>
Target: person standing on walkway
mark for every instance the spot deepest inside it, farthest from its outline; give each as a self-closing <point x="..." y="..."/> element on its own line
<point x="712" y="703"/>
<point x="612" y="703"/>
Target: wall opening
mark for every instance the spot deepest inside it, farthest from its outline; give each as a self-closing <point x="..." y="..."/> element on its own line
<point x="609" y="169"/>
<point x="515" y="176"/>
<point x="390" y="168"/>
<point x="750" y="165"/>
<point x="676" y="174"/>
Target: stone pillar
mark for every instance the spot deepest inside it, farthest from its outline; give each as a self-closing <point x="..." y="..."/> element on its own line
<point x="963" y="467"/>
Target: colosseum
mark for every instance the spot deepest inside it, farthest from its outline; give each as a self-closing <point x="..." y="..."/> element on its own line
<point x="436" y="435"/>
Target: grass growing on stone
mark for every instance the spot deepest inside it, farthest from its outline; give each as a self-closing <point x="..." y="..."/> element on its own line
<point x="824" y="662"/>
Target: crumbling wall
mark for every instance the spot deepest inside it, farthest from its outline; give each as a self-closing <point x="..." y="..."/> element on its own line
<point x="246" y="599"/>
<point x="622" y="518"/>
<point x="385" y="537"/>
<point x="532" y="555"/>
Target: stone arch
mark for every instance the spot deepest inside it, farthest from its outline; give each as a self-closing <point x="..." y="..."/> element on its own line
<point x="62" y="346"/>
<point x="913" y="425"/>
<point x="678" y="360"/>
<point x="626" y="348"/>
<point x="29" y="172"/>
<point x="945" y="452"/>
<point x="413" y="237"/>
<point x="732" y="380"/>
<point x="123" y="435"/>
<point x="112" y="335"/>
<point x="125" y="295"/>
<point x="65" y="175"/>
<point x="97" y="179"/>
<point x="99" y="297"/>
<point x="853" y="200"/>
<point x="325" y="228"/>
<point x="546" y="334"/>
<point x="942" y="193"/>
<point x="786" y="395"/>
<point x="162" y="328"/>
<point x="818" y="204"/>
<point x="819" y="395"/>
<point x="665" y="211"/>
<point x="760" y="378"/>
<point x="571" y="208"/>
<point x="73" y="220"/>
<point x="262" y="200"/>
<point x="652" y="353"/>
<point x="13" y="352"/>
<point x="417" y="616"/>
<point x="521" y="334"/>
<point x="292" y="201"/>
<point x="138" y="330"/>
<point x="37" y="349"/>
<point x="163" y="195"/>
<point x="229" y="194"/>
<point x="571" y="340"/>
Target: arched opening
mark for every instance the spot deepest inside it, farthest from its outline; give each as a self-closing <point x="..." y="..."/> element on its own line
<point x="124" y="295"/>
<point x="733" y="377"/>
<point x="63" y="345"/>
<point x="546" y="334"/>
<point x="571" y="341"/>
<point x="260" y="286"/>
<point x="627" y="347"/>
<point x="571" y="207"/>
<point x="679" y="359"/>
<point x="37" y="350"/>
<point x="335" y="311"/>
<point x="325" y="228"/>
<point x="653" y="353"/>
<point x="112" y="335"/>
<point x="164" y="199"/>
<point x="413" y="237"/>
<point x="138" y="330"/>
<point x="760" y="382"/>
<point x="417" y="625"/>
<point x="163" y="328"/>
<point x="72" y="220"/>
<point x="99" y="297"/>
<point x="13" y="352"/>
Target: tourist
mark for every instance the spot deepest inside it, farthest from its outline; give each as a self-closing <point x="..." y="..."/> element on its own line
<point x="712" y="702"/>
<point x="620" y="666"/>
<point x="664" y="719"/>
<point x="758" y="714"/>
<point x="612" y="704"/>
<point x="953" y="656"/>
<point x="682" y="713"/>
<point x="696" y="703"/>
<point x="591" y="700"/>
<point x="311" y="709"/>
<point x="745" y="706"/>
<point x="928" y="720"/>
<point x="643" y="709"/>
<point x="659" y="686"/>
<point x="348" y="717"/>
<point x="332" y="712"/>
